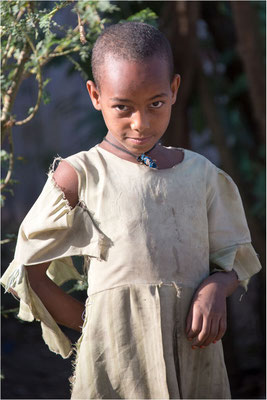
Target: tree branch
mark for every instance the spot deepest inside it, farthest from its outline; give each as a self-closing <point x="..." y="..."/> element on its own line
<point x="81" y="30"/>
<point x="7" y="53"/>
<point x="10" y="96"/>
<point x="11" y="160"/>
<point x="40" y="87"/>
<point x="6" y="241"/>
<point x="58" y="7"/>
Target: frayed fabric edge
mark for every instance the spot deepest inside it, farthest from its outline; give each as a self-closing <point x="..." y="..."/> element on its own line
<point x="50" y="173"/>
<point x="174" y="284"/>
<point x="54" y="165"/>
<point x="76" y="346"/>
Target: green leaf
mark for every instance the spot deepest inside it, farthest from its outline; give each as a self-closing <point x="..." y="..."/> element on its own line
<point x="30" y="110"/>
<point x="106" y="7"/>
<point x="44" y="23"/>
<point x="146" y="15"/>
<point x="46" y="97"/>
<point x="4" y="155"/>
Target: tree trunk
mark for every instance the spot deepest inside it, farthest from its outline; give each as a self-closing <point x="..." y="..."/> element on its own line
<point x="248" y="38"/>
<point x="179" y="24"/>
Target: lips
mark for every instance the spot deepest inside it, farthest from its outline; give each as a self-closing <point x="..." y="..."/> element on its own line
<point x="139" y="140"/>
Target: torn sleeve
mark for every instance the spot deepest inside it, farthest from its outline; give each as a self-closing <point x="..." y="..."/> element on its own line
<point x="229" y="236"/>
<point x="52" y="231"/>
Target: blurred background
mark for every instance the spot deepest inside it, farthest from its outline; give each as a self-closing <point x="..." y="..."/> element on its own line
<point x="219" y="51"/>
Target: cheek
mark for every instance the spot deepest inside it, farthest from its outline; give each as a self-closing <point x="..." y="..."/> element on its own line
<point x="162" y="118"/>
<point x="108" y="117"/>
<point x="114" y="123"/>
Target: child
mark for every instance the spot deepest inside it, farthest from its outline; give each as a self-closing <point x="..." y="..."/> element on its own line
<point x="162" y="231"/>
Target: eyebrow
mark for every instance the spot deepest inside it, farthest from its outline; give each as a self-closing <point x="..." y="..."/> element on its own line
<point x="129" y="101"/>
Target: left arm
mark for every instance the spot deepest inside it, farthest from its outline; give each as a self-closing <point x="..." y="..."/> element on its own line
<point x="206" y="320"/>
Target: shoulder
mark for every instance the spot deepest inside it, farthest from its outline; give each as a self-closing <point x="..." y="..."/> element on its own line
<point x="205" y="166"/>
<point x="194" y="160"/>
<point x="66" y="178"/>
<point x="83" y="158"/>
<point x="87" y="164"/>
<point x="74" y="172"/>
<point x="188" y="153"/>
<point x="199" y="159"/>
<point x="201" y="167"/>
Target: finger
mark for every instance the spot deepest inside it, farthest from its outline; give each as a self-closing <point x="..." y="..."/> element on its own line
<point x="213" y="333"/>
<point x="196" y="325"/>
<point x="222" y="329"/>
<point x="203" y="334"/>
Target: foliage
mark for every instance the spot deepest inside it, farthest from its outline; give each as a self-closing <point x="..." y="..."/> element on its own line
<point x="144" y="15"/>
<point x="6" y="159"/>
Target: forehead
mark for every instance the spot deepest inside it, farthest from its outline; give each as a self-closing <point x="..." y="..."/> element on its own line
<point x="121" y="77"/>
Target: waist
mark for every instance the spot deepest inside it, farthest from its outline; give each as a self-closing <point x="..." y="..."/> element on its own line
<point x="100" y="284"/>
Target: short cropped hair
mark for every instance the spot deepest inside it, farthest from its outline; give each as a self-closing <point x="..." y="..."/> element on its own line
<point x="132" y="41"/>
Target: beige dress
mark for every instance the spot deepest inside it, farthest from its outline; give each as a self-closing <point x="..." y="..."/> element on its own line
<point x="149" y="237"/>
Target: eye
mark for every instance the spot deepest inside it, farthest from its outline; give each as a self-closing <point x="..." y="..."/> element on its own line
<point x="121" y="107"/>
<point x="156" y="104"/>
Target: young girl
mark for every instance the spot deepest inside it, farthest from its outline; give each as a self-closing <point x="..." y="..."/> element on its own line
<point x="162" y="231"/>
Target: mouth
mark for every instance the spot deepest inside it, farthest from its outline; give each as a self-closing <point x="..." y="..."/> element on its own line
<point x="140" y="140"/>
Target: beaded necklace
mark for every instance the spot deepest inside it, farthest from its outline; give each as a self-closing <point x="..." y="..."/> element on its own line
<point x="143" y="158"/>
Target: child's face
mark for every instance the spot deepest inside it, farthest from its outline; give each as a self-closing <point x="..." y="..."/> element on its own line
<point x="135" y="100"/>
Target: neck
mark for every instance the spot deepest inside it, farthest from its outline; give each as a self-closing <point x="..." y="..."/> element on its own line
<point x="142" y="158"/>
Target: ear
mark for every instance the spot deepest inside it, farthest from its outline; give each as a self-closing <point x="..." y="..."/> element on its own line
<point x="94" y="94"/>
<point x="175" y="87"/>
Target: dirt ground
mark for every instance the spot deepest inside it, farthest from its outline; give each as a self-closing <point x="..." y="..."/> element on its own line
<point x="31" y="371"/>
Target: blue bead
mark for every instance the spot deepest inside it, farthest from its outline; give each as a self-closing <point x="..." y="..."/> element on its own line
<point x="147" y="161"/>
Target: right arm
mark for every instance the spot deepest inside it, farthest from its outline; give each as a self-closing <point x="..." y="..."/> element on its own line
<point x="65" y="309"/>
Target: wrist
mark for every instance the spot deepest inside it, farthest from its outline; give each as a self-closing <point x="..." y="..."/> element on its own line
<point x="227" y="281"/>
<point x="214" y="283"/>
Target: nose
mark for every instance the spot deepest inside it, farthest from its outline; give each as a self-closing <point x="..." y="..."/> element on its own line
<point x="139" y="121"/>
